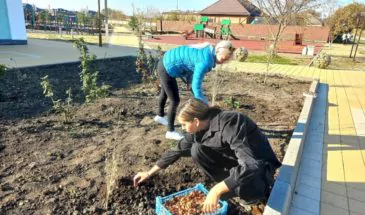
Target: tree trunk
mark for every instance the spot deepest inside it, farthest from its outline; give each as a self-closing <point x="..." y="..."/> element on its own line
<point x="272" y="51"/>
<point x="357" y="44"/>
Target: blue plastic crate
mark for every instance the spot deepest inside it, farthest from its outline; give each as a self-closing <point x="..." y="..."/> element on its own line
<point x="161" y="210"/>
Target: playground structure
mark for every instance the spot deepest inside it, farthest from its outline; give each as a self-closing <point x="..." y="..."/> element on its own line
<point x="225" y="31"/>
<point x="202" y="29"/>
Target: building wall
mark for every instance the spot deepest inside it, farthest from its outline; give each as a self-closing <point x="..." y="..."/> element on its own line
<point x="214" y="18"/>
<point x="256" y="32"/>
<point x="16" y="20"/>
<point x="175" y="26"/>
<point x="12" y="23"/>
<point x="4" y="21"/>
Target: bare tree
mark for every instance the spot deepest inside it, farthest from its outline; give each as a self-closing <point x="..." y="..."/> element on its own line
<point x="283" y="12"/>
<point x="328" y="10"/>
<point x="152" y="15"/>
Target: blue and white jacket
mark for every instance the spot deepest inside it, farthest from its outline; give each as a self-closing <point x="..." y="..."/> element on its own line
<point x="190" y="63"/>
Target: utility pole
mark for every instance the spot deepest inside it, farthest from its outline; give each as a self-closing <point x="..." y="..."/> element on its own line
<point x="106" y="21"/>
<point x="99" y="24"/>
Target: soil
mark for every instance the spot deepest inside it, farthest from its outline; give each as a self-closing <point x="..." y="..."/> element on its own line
<point x="85" y="166"/>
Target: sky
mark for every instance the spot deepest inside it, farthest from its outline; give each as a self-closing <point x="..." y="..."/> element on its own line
<point x="126" y="5"/>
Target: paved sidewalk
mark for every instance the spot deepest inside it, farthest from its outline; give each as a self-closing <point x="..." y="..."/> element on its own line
<point x="343" y="170"/>
<point x="42" y="52"/>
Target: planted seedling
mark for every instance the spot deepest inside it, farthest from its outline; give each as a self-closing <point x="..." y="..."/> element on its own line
<point x="232" y="102"/>
<point x="58" y="105"/>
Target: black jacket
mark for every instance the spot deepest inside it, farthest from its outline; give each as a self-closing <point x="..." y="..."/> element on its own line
<point x="237" y="137"/>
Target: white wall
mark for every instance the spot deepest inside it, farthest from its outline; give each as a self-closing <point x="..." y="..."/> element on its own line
<point x="16" y="19"/>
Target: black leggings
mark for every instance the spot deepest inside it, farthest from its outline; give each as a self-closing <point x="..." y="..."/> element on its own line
<point x="169" y="89"/>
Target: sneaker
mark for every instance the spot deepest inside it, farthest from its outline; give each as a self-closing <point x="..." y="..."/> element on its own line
<point x="174" y="135"/>
<point x="161" y="120"/>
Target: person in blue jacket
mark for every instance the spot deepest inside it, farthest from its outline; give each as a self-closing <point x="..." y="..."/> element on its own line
<point x="190" y="63"/>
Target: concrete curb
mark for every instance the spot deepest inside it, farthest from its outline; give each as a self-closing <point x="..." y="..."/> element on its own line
<point x="282" y="193"/>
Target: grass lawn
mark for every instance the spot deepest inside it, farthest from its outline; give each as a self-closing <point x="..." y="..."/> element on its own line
<point x="347" y="63"/>
<point x="340" y="57"/>
<point x="279" y="59"/>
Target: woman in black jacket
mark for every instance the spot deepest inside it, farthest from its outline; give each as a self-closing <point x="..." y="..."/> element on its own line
<point x="229" y="148"/>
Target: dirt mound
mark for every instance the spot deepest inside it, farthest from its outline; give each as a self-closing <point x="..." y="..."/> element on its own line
<point x="86" y="165"/>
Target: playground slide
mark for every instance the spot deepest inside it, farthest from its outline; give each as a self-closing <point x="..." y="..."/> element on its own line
<point x="210" y="32"/>
<point x="234" y="37"/>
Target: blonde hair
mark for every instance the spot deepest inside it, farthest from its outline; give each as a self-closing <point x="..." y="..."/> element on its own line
<point x="196" y="108"/>
<point x="224" y="48"/>
<point x="224" y="51"/>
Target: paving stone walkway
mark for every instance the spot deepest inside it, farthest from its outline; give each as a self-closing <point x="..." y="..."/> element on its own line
<point x="343" y="158"/>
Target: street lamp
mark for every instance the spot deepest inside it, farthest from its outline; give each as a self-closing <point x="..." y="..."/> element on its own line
<point x="99" y="24"/>
<point x="106" y="21"/>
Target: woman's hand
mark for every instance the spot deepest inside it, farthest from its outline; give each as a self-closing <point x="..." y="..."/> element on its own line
<point x="140" y="177"/>
<point x="211" y="203"/>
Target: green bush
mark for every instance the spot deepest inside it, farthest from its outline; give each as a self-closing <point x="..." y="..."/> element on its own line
<point x="146" y="65"/>
<point x="58" y="105"/>
<point x="3" y="70"/>
<point x="88" y="76"/>
<point x="232" y="103"/>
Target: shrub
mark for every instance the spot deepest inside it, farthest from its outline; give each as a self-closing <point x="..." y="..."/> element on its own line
<point x="58" y="105"/>
<point x="322" y="60"/>
<point x="232" y="103"/>
<point x="240" y="54"/>
<point x="88" y="76"/>
<point x="146" y="65"/>
<point x="3" y="70"/>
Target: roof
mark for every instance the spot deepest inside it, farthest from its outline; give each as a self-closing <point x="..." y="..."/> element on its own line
<point x="232" y="7"/>
<point x="314" y="21"/>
